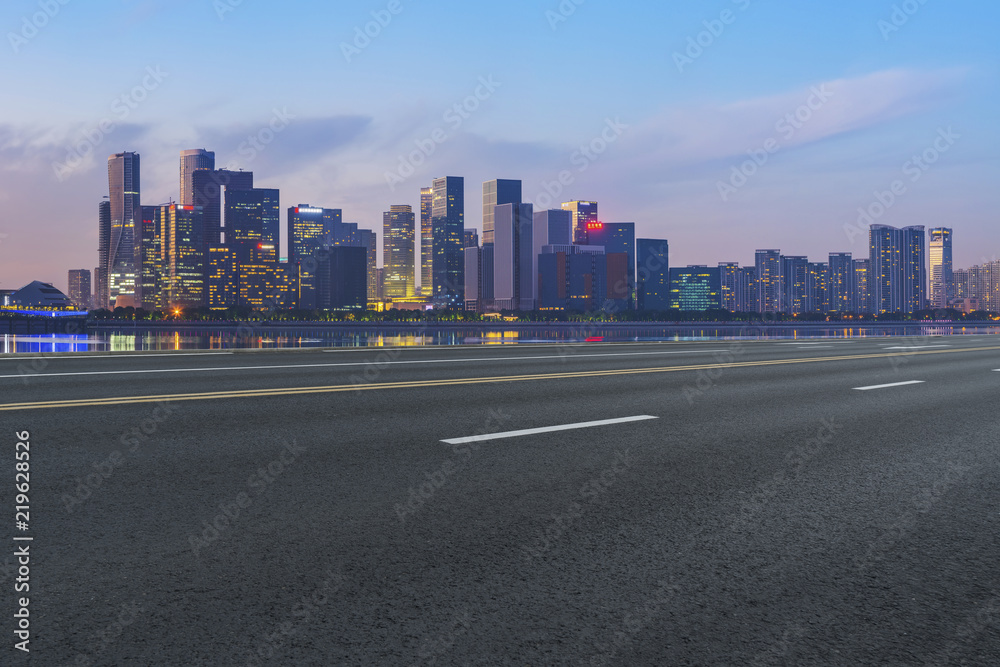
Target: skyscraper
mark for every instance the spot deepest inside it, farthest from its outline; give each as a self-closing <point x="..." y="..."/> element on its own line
<point x="79" y="288"/>
<point x="552" y="227"/>
<point x="695" y="288"/>
<point x="252" y="218"/>
<point x="208" y="187"/>
<point x="840" y="283"/>
<point x="126" y="217"/>
<point x="183" y="282"/>
<point x="794" y="282"/>
<point x="886" y="274"/>
<point x="309" y="230"/>
<point x="913" y="263"/>
<point x="861" y="299"/>
<point x="102" y="293"/>
<point x="471" y="239"/>
<point x="584" y="214"/>
<point x="448" y="232"/>
<point x="398" y="229"/>
<point x="616" y="237"/>
<point x="192" y="161"/>
<point x="816" y="300"/>
<point x="515" y="282"/>
<point x="150" y="259"/>
<point x="653" y="274"/>
<point x="768" y="270"/>
<point x="941" y="269"/>
<point x="426" y="243"/>
<point x="729" y="278"/>
<point x="497" y="193"/>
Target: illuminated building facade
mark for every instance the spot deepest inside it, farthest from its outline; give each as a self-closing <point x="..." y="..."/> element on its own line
<point x="398" y="242"/>
<point x="208" y="187"/>
<point x="941" y="267"/>
<point x="426" y="243"/>
<point x="617" y="237"/>
<point x="102" y="298"/>
<point x="448" y="232"/>
<point x="768" y="270"/>
<point x="309" y="229"/>
<point x="584" y="214"/>
<point x="183" y="253"/>
<point x="79" y="288"/>
<point x="126" y="218"/>
<point x="221" y="278"/>
<point x="695" y="288"/>
<point x="840" y="283"/>
<point x="862" y="297"/>
<point x="794" y="280"/>
<point x="252" y="218"/>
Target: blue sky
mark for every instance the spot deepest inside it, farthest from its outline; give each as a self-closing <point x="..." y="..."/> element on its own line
<point x="890" y="86"/>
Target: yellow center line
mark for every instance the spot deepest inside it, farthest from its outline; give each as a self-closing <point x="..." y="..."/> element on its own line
<point x="296" y="391"/>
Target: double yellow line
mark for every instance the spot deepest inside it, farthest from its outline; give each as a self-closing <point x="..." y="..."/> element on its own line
<point x="421" y="384"/>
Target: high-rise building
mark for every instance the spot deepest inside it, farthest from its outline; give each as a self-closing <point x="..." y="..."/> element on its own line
<point x="840" y="283"/>
<point x="343" y="278"/>
<point x="310" y="229"/>
<point x="552" y="227"/>
<point x="183" y="281"/>
<point x="913" y="263"/>
<point x="941" y="268"/>
<point x="572" y="277"/>
<point x="898" y="269"/>
<point x="617" y="237"/>
<point x="150" y="260"/>
<point x="584" y="214"/>
<point x="208" y="187"/>
<point x="960" y="284"/>
<point x="794" y="277"/>
<point x="817" y="297"/>
<point x="222" y="277"/>
<point x="426" y="243"/>
<point x="695" y="288"/>
<point x="768" y="275"/>
<point x="515" y="282"/>
<point x="102" y="293"/>
<point x="473" y="278"/>
<point x="496" y="193"/>
<point x="369" y="241"/>
<point x="191" y="161"/>
<point x="398" y="229"/>
<point x="653" y="274"/>
<point x="471" y="239"/>
<point x="729" y="279"/>
<point x="252" y="218"/>
<point x="448" y="232"/>
<point x="126" y="218"/>
<point x="861" y="300"/>
<point x="746" y="290"/>
<point x="79" y="288"/>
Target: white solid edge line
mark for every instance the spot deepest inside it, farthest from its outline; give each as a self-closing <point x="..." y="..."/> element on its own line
<point x="887" y="386"/>
<point x="547" y="429"/>
<point x="914" y="347"/>
<point x="377" y="364"/>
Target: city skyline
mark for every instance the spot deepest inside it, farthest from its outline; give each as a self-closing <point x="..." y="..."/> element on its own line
<point x="669" y="132"/>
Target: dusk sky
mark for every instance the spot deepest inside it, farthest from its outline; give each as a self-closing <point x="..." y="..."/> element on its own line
<point x="885" y="86"/>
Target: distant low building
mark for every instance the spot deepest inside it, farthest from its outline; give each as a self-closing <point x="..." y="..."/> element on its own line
<point x="40" y="295"/>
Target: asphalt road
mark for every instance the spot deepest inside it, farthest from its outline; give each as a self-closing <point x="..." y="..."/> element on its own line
<point x="301" y="508"/>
